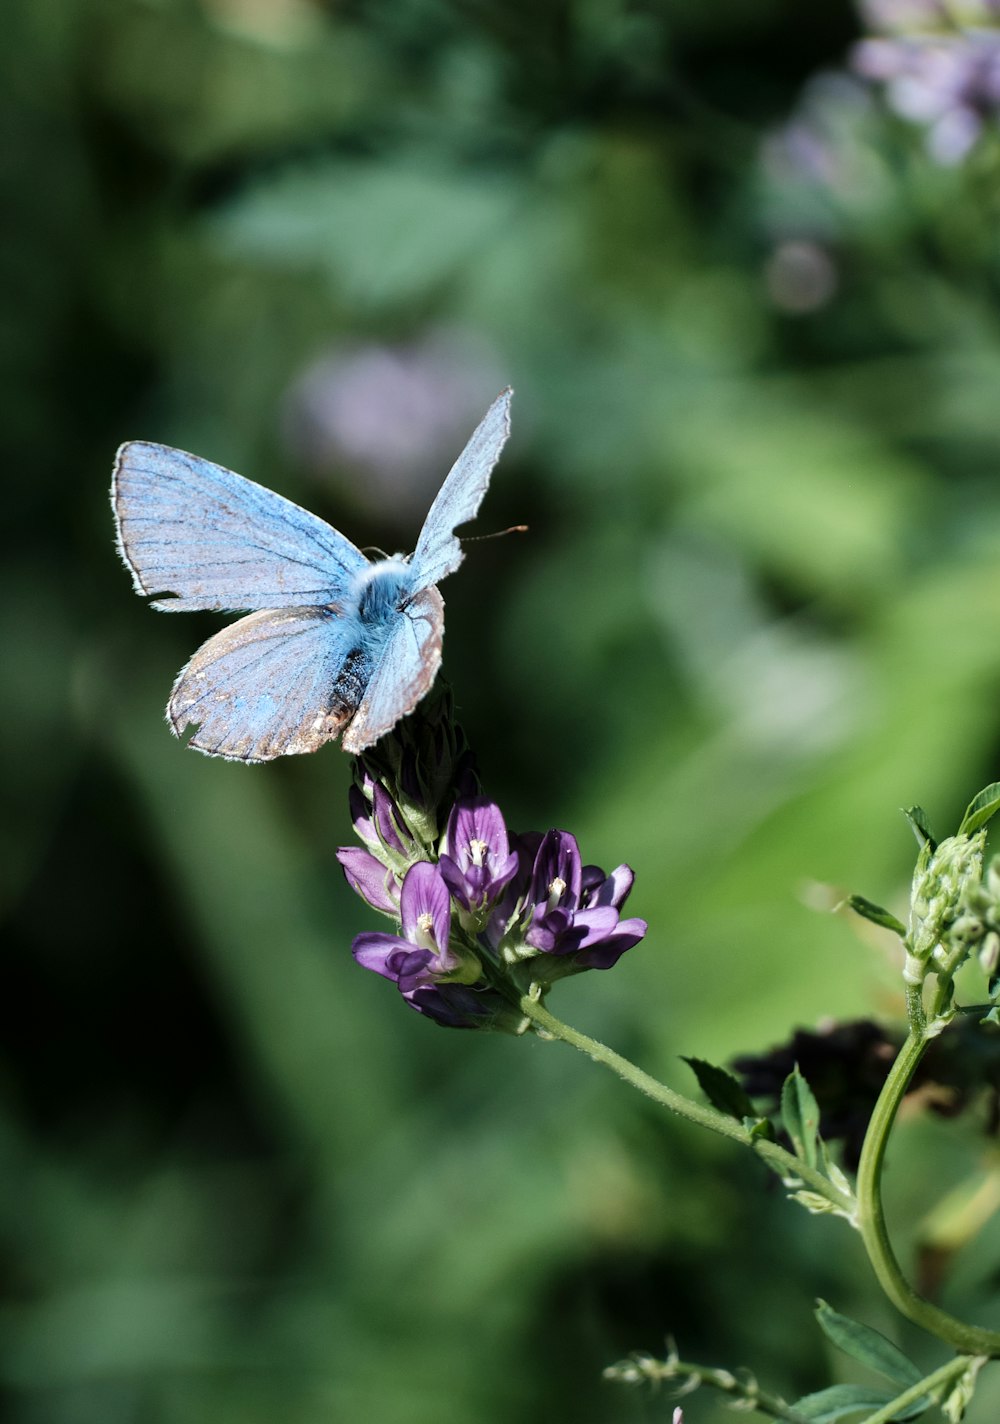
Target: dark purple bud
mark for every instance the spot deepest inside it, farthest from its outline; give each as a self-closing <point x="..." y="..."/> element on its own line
<point x="359" y="804"/>
<point x="389" y="822"/>
<point x="459" y="1006"/>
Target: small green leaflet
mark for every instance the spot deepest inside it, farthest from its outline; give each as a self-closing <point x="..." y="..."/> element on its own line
<point x="982" y="808"/>
<point x="876" y="914"/>
<point x="840" y="1400"/>
<point x="917" y="817"/>
<point x="863" y="1343"/>
<point x="800" y="1116"/>
<point x="722" y="1089"/>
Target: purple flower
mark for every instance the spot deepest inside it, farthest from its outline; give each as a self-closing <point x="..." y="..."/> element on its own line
<point x="422" y="952"/>
<point x="370" y="879"/>
<point x="575" y="908"/>
<point x="430" y="974"/>
<point x="476" y="859"/>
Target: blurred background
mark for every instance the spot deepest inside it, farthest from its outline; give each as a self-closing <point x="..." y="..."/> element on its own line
<point x="740" y="262"/>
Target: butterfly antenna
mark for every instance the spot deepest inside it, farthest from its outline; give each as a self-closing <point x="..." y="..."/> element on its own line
<point x="497" y="534"/>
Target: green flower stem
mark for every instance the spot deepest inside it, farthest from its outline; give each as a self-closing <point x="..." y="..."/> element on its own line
<point x="967" y="1339"/>
<point x="915" y="1014"/>
<point x="934" y="1384"/>
<point x="701" y="1114"/>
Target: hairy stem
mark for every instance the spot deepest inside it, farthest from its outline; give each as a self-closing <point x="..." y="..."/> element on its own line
<point x="968" y="1339"/>
<point x="699" y="1113"/>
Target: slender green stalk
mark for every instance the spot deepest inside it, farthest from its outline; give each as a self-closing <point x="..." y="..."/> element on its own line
<point x="699" y="1113"/>
<point x="743" y="1393"/>
<point x="968" y="1339"/>
<point x="930" y="1384"/>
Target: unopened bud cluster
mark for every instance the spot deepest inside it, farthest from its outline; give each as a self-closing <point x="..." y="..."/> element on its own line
<point x="943" y="883"/>
<point x="977" y="929"/>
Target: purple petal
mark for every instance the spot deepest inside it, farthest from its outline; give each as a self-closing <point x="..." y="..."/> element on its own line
<point x="557" y="860"/>
<point x="612" y="889"/>
<point x="477" y="819"/>
<point x="364" y="826"/>
<point x="590" y="877"/>
<point x="390" y="956"/>
<point x="425" y="909"/>
<point x="607" y="952"/>
<point x="454" y="879"/>
<point x="594" y="925"/>
<point x="368" y="878"/>
<point x="386" y="816"/>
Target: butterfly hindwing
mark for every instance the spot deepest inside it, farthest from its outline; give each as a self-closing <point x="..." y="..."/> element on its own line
<point x="438" y="551"/>
<point x="272" y="684"/>
<point x="211" y="539"/>
<point x="404" y="670"/>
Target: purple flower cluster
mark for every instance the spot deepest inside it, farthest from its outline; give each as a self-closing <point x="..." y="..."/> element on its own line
<point x="939" y="65"/>
<point x="484" y="917"/>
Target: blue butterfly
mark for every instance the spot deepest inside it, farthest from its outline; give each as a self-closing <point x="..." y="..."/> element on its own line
<point x="333" y="643"/>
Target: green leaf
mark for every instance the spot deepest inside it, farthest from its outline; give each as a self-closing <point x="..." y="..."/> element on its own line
<point x="834" y="1172"/>
<point x="863" y="1343"/>
<point x="800" y="1116"/>
<point x="722" y="1089"/>
<point x="981" y="809"/>
<point x="876" y="914"/>
<point x="917" y="817"/>
<point x="827" y="1405"/>
<point x="344" y="216"/>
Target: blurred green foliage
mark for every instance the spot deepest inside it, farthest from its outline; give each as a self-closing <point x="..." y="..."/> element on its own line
<point x="756" y="441"/>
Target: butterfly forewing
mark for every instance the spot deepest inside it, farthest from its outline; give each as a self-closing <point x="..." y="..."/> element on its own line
<point x="211" y="539"/>
<point x="438" y="551"/>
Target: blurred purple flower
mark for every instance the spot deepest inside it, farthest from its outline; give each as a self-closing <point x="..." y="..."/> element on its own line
<point x="476" y="859"/>
<point x="935" y="72"/>
<point x="390" y="419"/>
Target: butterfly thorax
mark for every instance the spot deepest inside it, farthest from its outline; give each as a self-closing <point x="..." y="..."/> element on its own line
<point x="382" y="590"/>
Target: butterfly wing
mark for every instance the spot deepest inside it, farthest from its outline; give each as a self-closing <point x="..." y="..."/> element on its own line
<point x="438" y="551"/>
<point x="211" y="539"/>
<point x="403" y="671"/>
<point x="275" y="683"/>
